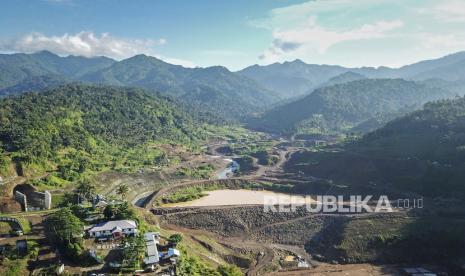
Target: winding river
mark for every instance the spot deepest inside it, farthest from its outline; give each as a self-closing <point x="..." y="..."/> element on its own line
<point x="229" y="171"/>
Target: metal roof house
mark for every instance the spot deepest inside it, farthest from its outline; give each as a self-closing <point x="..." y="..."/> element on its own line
<point x="152" y="257"/>
<point x="117" y="228"/>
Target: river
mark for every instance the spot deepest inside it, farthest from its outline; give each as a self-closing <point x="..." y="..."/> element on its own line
<point x="229" y="171"/>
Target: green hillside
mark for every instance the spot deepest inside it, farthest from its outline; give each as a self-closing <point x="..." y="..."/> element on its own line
<point x="345" y="106"/>
<point x="35" y="83"/>
<point x="20" y="72"/>
<point x="81" y="128"/>
<point x="423" y="152"/>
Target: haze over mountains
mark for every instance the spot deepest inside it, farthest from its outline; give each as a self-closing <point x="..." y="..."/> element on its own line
<point x="246" y="94"/>
<point x="297" y="78"/>
<point x="359" y="105"/>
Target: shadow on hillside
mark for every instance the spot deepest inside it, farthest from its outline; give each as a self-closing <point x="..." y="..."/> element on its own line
<point x="432" y="236"/>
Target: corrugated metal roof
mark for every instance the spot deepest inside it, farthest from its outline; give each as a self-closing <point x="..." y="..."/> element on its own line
<point x="110" y="225"/>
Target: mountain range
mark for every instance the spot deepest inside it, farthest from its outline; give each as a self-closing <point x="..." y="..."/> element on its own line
<point x="254" y="92"/>
<point x="219" y="90"/>
<point x="297" y="78"/>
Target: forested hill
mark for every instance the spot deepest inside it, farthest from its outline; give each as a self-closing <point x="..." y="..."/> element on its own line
<point x="358" y="105"/>
<point x="215" y="89"/>
<point x="436" y="133"/>
<point x="87" y="127"/>
<point x="43" y="69"/>
<point x="422" y="152"/>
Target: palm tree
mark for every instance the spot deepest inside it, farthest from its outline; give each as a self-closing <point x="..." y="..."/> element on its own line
<point x="122" y="190"/>
<point x="86" y="190"/>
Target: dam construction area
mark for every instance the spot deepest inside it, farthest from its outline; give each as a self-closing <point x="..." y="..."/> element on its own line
<point x="245" y="202"/>
<point x="247" y="219"/>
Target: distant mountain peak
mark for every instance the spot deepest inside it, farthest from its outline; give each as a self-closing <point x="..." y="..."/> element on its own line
<point x="217" y="68"/>
<point x="137" y="57"/>
<point x="45" y="53"/>
<point x="144" y="58"/>
<point x="349" y="74"/>
<point x="294" y="62"/>
<point x="343" y="78"/>
<point x="140" y="56"/>
<point x="298" y="61"/>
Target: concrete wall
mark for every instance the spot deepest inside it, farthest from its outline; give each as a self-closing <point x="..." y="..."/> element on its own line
<point x="31" y="199"/>
<point x="48" y="200"/>
<point x="21" y="198"/>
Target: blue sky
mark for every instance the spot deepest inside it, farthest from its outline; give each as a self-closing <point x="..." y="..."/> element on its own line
<point x="239" y="33"/>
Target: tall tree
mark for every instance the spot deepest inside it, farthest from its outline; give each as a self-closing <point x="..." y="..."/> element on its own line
<point x="134" y="251"/>
<point x="64" y="226"/>
<point x="122" y="190"/>
<point x="86" y="190"/>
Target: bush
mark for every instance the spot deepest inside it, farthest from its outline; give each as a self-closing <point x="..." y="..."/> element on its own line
<point x="184" y="195"/>
<point x="190" y="266"/>
<point x="245" y="163"/>
<point x="175" y="238"/>
<point x="229" y="270"/>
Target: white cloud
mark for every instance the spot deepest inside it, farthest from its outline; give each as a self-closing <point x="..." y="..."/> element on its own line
<point x="88" y="44"/>
<point x="292" y="15"/>
<point x="452" y="42"/>
<point x="309" y="30"/>
<point x="84" y="43"/>
<point x="311" y="37"/>
<point x="450" y="11"/>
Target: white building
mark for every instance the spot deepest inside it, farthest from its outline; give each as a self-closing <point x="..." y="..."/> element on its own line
<point x="117" y="228"/>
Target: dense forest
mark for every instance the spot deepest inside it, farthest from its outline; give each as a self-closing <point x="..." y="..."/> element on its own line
<point x="43" y="69"/>
<point x="422" y="152"/>
<point x="79" y="128"/>
<point x="214" y="90"/>
<point x="355" y="105"/>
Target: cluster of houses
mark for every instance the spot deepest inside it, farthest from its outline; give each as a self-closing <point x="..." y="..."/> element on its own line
<point x="111" y="230"/>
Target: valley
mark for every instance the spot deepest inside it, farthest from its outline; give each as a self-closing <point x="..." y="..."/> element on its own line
<point x="203" y="181"/>
<point x="232" y="138"/>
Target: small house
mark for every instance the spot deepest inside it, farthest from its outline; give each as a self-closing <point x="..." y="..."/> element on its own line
<point x="115" y="229"/>
<point x="152" y="257"/>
